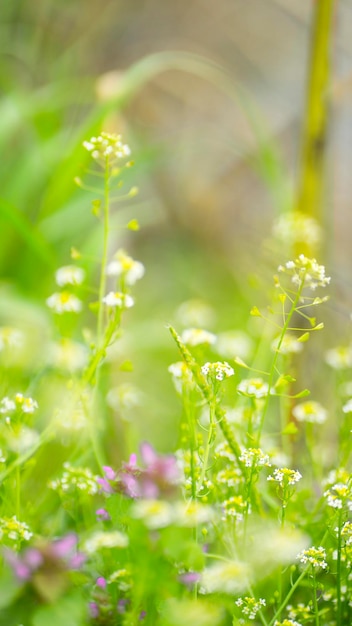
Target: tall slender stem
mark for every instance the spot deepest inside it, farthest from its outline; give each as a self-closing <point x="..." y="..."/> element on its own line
<point x="338" y="572"/>
<point x="288" y="596"/>
<point x="104" y="259"/>
<point x="276" y="356"/>
<point x="208" y="442"/>
<point x="315" y="602"/>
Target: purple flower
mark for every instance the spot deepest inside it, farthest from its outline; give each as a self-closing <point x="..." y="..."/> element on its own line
<point x="93" y="610"/>
<point x="122" y="605"/>
<point x="189" y="579"/>
<point x="102" y="515"/>
<point x="159" y="477"/>
<point x="47" y="564"/>
<point x="101" y="582"/>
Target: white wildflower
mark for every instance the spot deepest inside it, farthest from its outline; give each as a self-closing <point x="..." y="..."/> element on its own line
<point x="107" y="146"/>
<point x="310" y="411"/>
<point x="119" y="300"/>
<point x="69" y="275"/>
<point x="253" y="387"/>
<point x="306" y="272"/>
<point x="10" y="338"/>
<point x="339" y="358"/>
<point x="254" y="457"/>
<point x="64" y="302"/>
<point x="315" y="556"/>
<point x="123" y="265"/>
<point x="217" y="370"/>
<point x="197" y="336"/>
<point x="154" y="513"/>
<point x="105" y="540"/>
<point x="285" y="476"/>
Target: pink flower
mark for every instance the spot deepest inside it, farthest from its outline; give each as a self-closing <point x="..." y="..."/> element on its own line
<point x="47" y="564"/>
<point x="159" y="477"/>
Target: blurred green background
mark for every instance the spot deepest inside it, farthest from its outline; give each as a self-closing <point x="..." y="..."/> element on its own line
<point x="210" y="97"/>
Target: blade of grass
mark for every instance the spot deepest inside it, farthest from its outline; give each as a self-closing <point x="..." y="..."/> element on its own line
<point x="310" y="186"/>
<point x="28" y="232"/>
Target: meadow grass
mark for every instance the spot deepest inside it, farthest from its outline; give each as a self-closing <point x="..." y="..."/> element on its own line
<point x="161" y="472"/>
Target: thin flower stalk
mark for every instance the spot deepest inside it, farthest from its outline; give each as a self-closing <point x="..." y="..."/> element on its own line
<point x="273" y="367"/>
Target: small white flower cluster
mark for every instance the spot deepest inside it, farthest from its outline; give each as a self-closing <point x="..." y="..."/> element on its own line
<point x="234" y="507"/>
<point x="285" y="476"/>
<point x="10" y="338"/>
<point x="11" y="528"/>
<point x="253" y="388"/>
<point x="306" y="272"/>
<point x="228" y="577"/>
<point x="347" y="407"/>
<point x="296" y="227"/>
<point x="197" y="336"/>
<point x="126" y="267"/>
<point x="217" y="370"/>
<point x="230" y="476"/>
<point x="339" y="358"/>
<point x="254" y="457"/>
<point x="346" y="533"/>
<point x="107" y="146"/>
<point x="338" y="475"/>
<point x="310" y="411"/>
<point x="65" y="301"/>
<point x="67" y="354"/>
<point x="301" y="611"/>
<point x="69" y="275"/>
<point x="223" y="450"/>
<point x="24" y="404"/>
<point x="119" y="300"/>
<point x="250" y="606"/>
<point x="315" y="556"/>
<point x="75" y="479"/>
<point x="105" y="540"/>
<point x="181" y="375"/>
<point x="160" y="514"/>
<point x="338" y="496"/>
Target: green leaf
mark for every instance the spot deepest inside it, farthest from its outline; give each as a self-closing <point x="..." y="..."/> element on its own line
<point x="290" y="429"/>
<point x="302" y="394"/>
<point x="303" y="338"/>
<point x="133" y="225"/>
<point x="255" y="312"/>
<point x="126" y="366"/>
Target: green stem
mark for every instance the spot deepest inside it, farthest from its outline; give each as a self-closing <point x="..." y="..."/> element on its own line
<point x="315" y="602"/>
<point x="104" y="259"/>
<point x="274" y="362"/>
<point x="188" y="406"/>
<point x="209" y="441"/>
<point x="280" y="583"/>
<point x="338" y="572"/>
<point x="18" y="492"/>
<point x="288" y="596"/>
